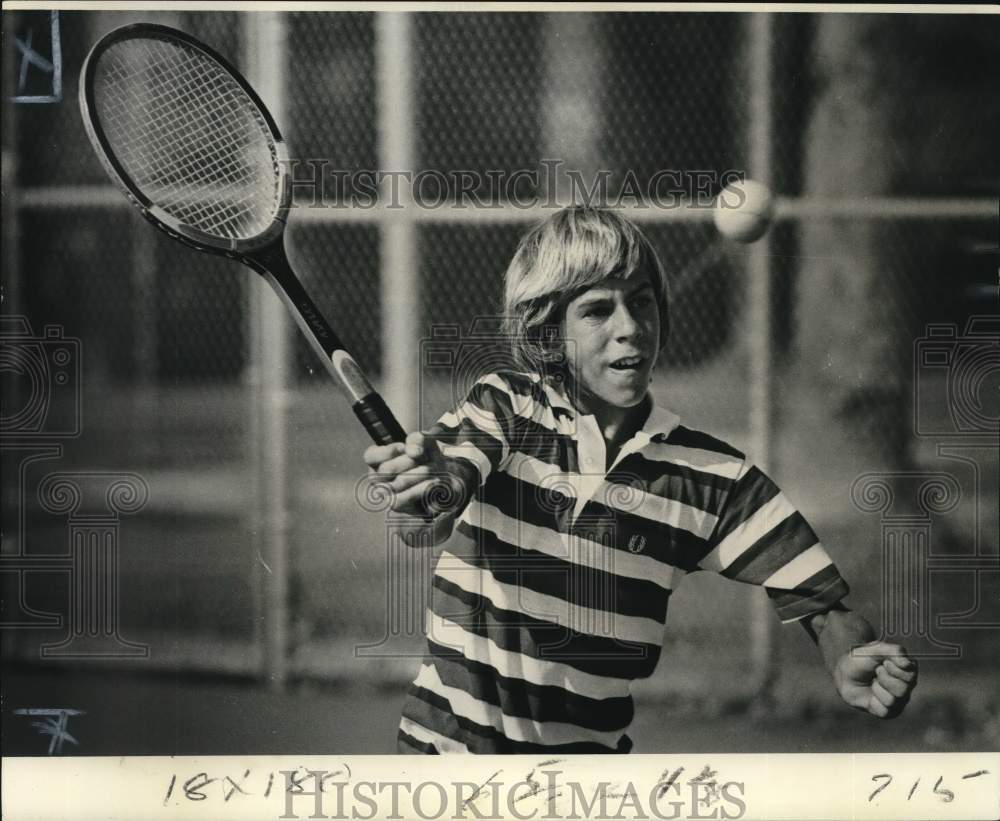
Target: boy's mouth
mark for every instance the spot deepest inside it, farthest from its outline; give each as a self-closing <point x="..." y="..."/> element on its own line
<point x="628" y="363"/>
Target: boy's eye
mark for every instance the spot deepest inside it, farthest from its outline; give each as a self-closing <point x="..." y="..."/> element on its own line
<point x="596" y="311"/>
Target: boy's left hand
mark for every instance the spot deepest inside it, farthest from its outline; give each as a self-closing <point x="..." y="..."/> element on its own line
<point x="877" y="678"/>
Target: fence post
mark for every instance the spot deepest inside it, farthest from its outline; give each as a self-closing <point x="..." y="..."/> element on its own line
<point x="572" y="119"/>
<point x="265" y="44"/>
<point x="398" y="259"/>
<point x="760" y="37"/>
<point x="146" y="352"/>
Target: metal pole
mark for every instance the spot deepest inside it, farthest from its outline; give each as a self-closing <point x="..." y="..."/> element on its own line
<point x="145" y="357"/>
<point x="572" y="122"/>
<point x="11" y="227"/>
<point x="265" y="42"/>
<point x="400" y="283"/>
<point x="761" y="36"/>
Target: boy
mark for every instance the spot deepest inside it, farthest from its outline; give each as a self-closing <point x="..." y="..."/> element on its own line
<point x="575" y="505"/>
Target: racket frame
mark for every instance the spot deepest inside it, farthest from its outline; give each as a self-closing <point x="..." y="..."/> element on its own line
<point x="200" y="240"/>
<point x="264" y="252"/>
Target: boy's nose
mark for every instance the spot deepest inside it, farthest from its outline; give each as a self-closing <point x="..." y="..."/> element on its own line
<point x="625" y="324"/>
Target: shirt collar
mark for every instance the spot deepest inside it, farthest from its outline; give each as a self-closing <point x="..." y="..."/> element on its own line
<point x="556" y="393"/>
<point x="660" y="422"/>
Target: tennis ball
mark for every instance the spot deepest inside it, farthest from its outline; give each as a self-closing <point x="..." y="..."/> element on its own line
<point x="743" y="210"/>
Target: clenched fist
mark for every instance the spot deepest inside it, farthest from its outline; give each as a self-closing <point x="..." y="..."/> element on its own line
<point x="876" y="678"/>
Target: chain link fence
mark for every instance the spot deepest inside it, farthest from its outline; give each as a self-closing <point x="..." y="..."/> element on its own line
<point x="168" y="363"/>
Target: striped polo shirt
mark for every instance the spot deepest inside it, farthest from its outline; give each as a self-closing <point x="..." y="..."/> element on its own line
<point x="550" y="596"/>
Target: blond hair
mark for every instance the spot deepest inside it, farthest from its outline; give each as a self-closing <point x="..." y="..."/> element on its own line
<point x="560" y="258"/>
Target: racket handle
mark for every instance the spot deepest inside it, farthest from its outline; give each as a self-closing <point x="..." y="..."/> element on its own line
<point x="374" y="414"/>
<point x="370" y="408"/>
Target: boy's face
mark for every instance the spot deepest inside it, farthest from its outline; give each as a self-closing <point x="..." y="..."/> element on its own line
<point x="614" y="333"/>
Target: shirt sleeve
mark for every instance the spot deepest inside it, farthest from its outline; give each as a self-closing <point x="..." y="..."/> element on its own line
<point x="481" y="428"/>
<point x="762" y="539"/>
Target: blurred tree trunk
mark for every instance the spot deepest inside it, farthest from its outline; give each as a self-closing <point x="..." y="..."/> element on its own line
<point x="905" y="105"/>
<point x="849" y="363"/>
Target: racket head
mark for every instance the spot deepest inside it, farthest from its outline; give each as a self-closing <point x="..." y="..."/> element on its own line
<point x="186" y="138"/>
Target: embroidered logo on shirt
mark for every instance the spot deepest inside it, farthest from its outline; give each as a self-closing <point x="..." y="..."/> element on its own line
<point x="637" y="543"/>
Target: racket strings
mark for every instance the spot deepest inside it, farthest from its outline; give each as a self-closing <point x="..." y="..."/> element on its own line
<point x="198" y="161"/>
<point x="205" y="165"/>
<point x="189" y="136"/>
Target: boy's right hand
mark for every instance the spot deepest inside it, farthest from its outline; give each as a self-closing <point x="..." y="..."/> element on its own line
<point x="424" y="482"/>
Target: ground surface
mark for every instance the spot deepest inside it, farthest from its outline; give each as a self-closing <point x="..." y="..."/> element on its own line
<point x="138" y="714"/>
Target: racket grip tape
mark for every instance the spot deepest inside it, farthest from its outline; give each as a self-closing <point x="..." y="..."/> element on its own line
<point x="374" y="414"/>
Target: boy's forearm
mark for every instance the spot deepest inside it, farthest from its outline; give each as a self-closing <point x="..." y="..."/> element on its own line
<point x="463" y="479"/>
<point x="877" y="680"/>
<point x="837" y="631"/>
<point x="442" y="502"/>
<point x="465" y="476"/>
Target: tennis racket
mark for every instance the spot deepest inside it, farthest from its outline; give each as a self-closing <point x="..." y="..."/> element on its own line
<point x="190" y="143"/>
